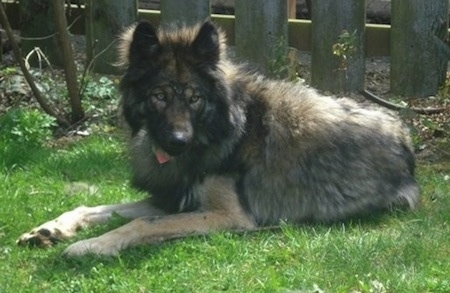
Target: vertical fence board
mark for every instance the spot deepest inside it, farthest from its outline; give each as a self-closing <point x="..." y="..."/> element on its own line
<point x="419" y="55"/>
<point x="261" y="34"/>
<point x="292" y="9"/>
<point x="188" y="12"/>
<point x="330" y="19"/>
<point x="37" y="28"/>
<point x="105" y="19"/>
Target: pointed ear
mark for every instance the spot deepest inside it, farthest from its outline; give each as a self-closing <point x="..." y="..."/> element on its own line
<point x="145" y="43"/>
<point x="206" y="46"/>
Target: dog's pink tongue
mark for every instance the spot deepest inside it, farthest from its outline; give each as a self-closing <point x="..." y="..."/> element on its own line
<point x="162" y="157"/>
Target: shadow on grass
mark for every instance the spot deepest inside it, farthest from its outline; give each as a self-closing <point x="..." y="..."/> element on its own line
<point x="139" y="257"/>
<point x="85" y="160"/>
<point x="57" y="266"/>
<point x="15" y="155"/>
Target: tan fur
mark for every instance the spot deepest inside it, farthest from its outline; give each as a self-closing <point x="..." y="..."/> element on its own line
<point x="123" y="46"/>
<point x="222" y="211"/>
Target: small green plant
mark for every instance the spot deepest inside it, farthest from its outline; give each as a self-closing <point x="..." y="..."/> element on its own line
<point x="99" y="96"/>
<point x="22" y="134"/>
<point x="26" y="126"/>
<point x="103" y="88"/>
<point x="444" y="90"/>
<point x="283" y="62"/>
<point x="8" y="71"/>
<point x="345" y="47"/>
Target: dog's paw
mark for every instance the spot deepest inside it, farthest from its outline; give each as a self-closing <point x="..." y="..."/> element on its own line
<point x="92" y="246"/>
<point x="56" y="230"/>
<point x="40" y="237"/>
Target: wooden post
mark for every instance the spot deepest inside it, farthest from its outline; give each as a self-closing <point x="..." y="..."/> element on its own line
<point x="419" y="54"/>
<point x="105" y="20"/>
<point x="344" y="71"/>
<point x="261" y="34"/>
<point x="292" y="9"/>
<point x="38" y="31"/>
<point x="188" y="12"/>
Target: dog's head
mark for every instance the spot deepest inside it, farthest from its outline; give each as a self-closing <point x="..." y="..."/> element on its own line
<point x="174" y="87"/>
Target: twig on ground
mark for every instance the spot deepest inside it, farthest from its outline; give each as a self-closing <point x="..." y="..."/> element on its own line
<point x="446" y="153"/>
<point x="39" y="55"/>
<point x="396" y="107"/>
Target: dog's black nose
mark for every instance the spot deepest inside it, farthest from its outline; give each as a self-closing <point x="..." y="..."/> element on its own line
<point x="178" y="141"/>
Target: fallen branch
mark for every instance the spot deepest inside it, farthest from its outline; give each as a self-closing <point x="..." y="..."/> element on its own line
<point x="396" y="107"/>
<point x="40" y="55"/>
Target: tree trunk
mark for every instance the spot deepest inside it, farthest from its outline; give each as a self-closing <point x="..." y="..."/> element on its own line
<point x="262" y="35"/>
<point x="342" y="70"/>
<point x="419" y="54"/>
<point x="105" y="20"/>
<point x="36" y="22"/>
<point x="70" y="69"/>
<point x="189" y="12"/>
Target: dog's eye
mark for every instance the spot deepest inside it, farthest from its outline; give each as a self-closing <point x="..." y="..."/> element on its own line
<point x="161" y="97"/>
<point x="194" y="99"/>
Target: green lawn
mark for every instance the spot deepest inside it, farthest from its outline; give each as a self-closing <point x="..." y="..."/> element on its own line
<point x="400" y="252"/>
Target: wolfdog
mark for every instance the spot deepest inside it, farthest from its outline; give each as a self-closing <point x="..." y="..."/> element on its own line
<point x="219" y="147"/>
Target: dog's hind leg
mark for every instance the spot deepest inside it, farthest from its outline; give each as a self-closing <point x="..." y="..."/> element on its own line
<point x="68" y="223"/>
<point x="221" y="210"/>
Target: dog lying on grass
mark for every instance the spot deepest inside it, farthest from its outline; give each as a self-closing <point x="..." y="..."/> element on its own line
<point x="219" y="148"/>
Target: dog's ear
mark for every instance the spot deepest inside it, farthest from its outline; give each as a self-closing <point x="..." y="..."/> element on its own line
<point x="206" y="46"/>
<point x="145" y="43"/>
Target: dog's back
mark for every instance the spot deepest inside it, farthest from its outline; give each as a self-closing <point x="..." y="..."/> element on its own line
<point x="324" y="159"/>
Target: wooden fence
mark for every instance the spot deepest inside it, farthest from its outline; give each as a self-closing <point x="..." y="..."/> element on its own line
<point x="261" y="31"/>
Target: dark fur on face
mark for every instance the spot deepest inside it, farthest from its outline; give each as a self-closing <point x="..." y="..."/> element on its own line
<point x="175" y="92"/>
<point x="175" y="89"/>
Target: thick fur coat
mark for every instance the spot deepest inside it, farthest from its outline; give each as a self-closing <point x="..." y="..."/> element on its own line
<point x="294" y="154"/>
<point x="218" y="147"/>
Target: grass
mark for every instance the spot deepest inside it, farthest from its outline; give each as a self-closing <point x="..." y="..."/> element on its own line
<point x="400" y="252"/>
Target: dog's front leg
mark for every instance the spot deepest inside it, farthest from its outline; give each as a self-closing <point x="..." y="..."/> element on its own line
<point x="68" y="223"/>
<point x="220" y="210"/>
<point x="151" y="230"/>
